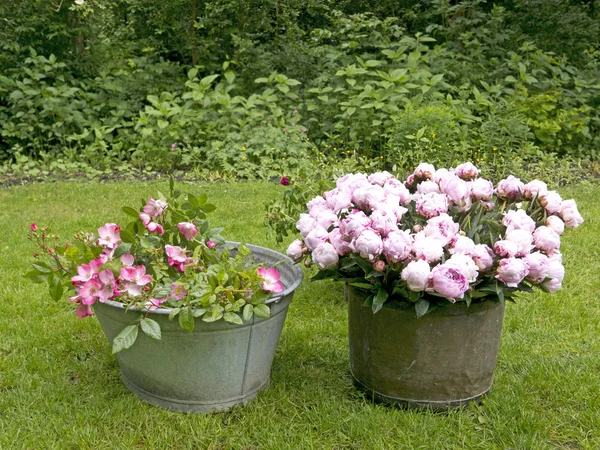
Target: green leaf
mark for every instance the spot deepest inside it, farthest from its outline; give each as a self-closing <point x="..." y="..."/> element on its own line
<point x="174" y="312"/>
<point x="42" y="267"/>
<point x="229" y="76"/>
<point x="262" y="311"/>
<point x="162" y="124"/>
<point x="366" y="286"/>
<point x="232" y="318"/>
<point x="130" y="212"/>
<point x="72" y="252"/>
<point x="186" y="319"/>
<point x="421" y="307"/>
<point x="55" y="288"/>
<point x="36" y="277"/>
<point x="121" y="250"/>
<point x="379" y="299"/>
<point x="151" y="328"/>
<point x="125" y="339"/>
<point x="248" y="312"/>
<point x="127" y="236"/>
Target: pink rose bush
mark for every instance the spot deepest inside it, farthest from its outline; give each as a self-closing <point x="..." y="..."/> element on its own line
<point x="167" y="257"/>
<point x="440" y="236"/>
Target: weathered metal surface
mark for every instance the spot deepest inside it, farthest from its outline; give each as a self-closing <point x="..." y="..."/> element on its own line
<point x="217" y="366"/>
<point x="441" y="360"/>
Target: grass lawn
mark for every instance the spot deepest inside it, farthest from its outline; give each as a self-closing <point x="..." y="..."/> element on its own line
<point x="60" y="385"/>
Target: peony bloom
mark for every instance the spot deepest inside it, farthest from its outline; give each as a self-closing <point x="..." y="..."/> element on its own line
<point x="538" y="264"/>
<point x="342" y="247"/>
<point x="551" y="201"/>
<point x="511" y="271"/>
<point x="467" y="171"/>
<point x="428" y="249"/>
<point x="416" y="275"/>
<point x="424" y="171"/>
<point x="449" y="281"/>
<point x="482" y="189"/>
<point x="305" y="224"/>
<point x="483" y="256"/>
<point x="397" y="246"/>
<point x="367" y="197"/>
<point x="384" y="221"/>
<point x="317" y="203"/>
<point x="457" y="190"/>
<point x="338" y="200"/>
<point x="296" y="249"/>
<point x="556" y="273"/>
<point x="354" y="224"/>
<point x="368" y="245"/>
<point x="155" y="208"/>
<point x="465" y="264"/>
<point x="325" y="256"/>
<point x="396" y="188"/>
<point x="461" y="244"/>
<point x="188" y="229"/>
<point x="431" y="205"/>
<point x="518" y="220"/>
<point x="534" y="188"/>
<point x="555" y="223"/>
<point x="109" y="235"/>
<point x="317" y="236"/>
<point x="523" y="239"/>
<point x="380" y="178"/>
<point x="546" y="239"/>
<point x="324" y="217"/>
<point x="427" y="186"/>
<point x="511" y="188"/>
<point x="442" y="228"/>
<point x="506" y="249"/>
<point x="271" y="281"/>
<point x="570" y="214"/>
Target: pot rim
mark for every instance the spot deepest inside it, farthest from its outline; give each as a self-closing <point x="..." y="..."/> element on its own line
<point x="280" y="257"/>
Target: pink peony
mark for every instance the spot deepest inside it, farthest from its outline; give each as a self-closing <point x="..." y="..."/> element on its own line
<point x="523" y="239"/>
<point x="424" y="171"/>
<point x="367" y="197"/>
<point x="342" y="247"/>
<point x="296" y="249"/>
<point x="317" y="236"/>
<point x="396" y="187"/>
<point x="461" y="244"/>
<point x="188" y="229"/>
<point x="457" y="190"/>
<point x="534" y="188"/>
<point x="482" y="189"/>
<point x="449" y="281"/>
<point x="465" y="264"/>
<point x="538" y="264"/>
<point x="546" y="239"/>
<point x="518" y="220"/>
<point x="570" y="214"/>
<point x="325" y="256"/>
<point x="427" y="186"/>
<point x="555" y="223"/>
<point x="551" y="201"/>
<point x="368" y="245"/>
<point x="556" y="273"/>
<point x="270" y="278"/>
<point x="317" y="203"/>
<point x="397" y="246"/>
<point x="431" y="205"/>
<point x="416" y="275"/>
<point x="467" y="171"/>
<point x="380" y="178"/>
<point x="338" y="200"/>
<point x="305" y="224"/>
<point x="442" y="228"/>
<point x="506" y="249"/>
<point x="384" y="221"/>
<point x="511" y="271"/>
<point x="428" y="249"/>
<point x="324" y="217"/>
<point x="511" y="188"/>
<point x="354" y="224"/>
<point x="483" y="256"/>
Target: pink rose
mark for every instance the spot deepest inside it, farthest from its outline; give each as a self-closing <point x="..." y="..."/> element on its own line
<point x="431" y="205"/>
<point x="538" y="264"/>
<point x="523" y="239"/>
<point x="188" y="229"/>
<point x="155" y="208"/>
<point x="534" y="188"/>
<point x="270" y="278"/>
<point x="551" y="201"/>
<point x="511" y="271"/>
<point x="416" y="275"/>
<point x="483" y="257"/>
<point x="546" y="239"/>
<point x="570" y="214"/>
<point x="397" y="246"/>
<point x="296" y="249"/>
<point x="467" y="171"/>
<point x="442" y="228"/>
<point x="368" y="245"/>
<point x="511" y="188"/>
<point x="109" y="235"/>
<point x="482" y="189"/>
<point x="449" y="281"/>
<point x="325" y="256"/>
<point x="555" y="223"/>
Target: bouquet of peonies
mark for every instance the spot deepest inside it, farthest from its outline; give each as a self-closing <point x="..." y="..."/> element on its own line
<point x="440" y="236"/>
<point x="167" y="257"/>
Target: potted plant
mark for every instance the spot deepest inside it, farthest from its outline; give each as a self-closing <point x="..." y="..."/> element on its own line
<point x="194" y="321"/>
<point x="428" y="264"/>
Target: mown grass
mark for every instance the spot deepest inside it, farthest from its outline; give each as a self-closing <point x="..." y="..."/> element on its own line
<point x="60" y="385"/>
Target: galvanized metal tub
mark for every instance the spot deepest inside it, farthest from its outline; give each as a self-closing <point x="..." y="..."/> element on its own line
<point x="218" y="366"/>
<point x="442" y="360"/>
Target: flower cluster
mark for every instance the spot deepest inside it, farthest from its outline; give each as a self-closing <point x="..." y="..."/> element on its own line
<point x="168" y="257"/>
<point x="440" y="234"/>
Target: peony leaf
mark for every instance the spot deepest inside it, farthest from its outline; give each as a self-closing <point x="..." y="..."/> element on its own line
<point x="421" y="307"/>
